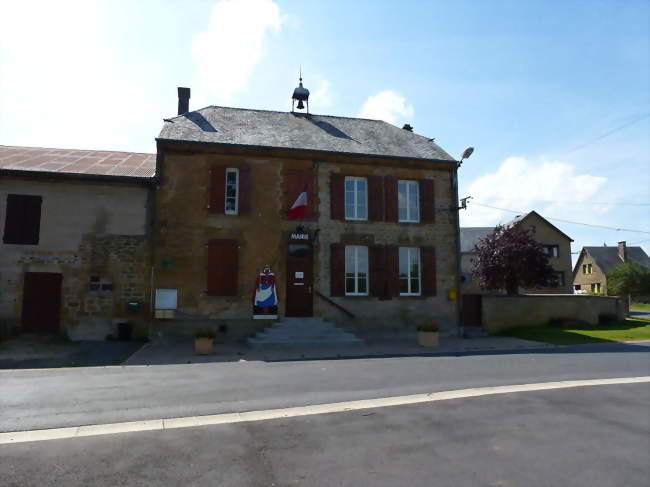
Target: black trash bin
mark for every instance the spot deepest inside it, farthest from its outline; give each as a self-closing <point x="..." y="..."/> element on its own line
<point x="124" y="331"/>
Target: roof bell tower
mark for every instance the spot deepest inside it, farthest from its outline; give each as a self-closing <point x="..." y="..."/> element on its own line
<point x="300" y="94"/>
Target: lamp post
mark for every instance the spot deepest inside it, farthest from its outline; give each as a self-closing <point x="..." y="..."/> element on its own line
<point x="459" y="294"/>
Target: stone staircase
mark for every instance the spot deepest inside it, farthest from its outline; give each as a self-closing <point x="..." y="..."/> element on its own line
<point x="303" y="333"/>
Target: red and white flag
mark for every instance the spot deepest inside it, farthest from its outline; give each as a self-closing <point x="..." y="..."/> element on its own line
<point x="299" y="208"/>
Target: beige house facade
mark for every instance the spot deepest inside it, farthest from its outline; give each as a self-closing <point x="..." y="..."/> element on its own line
<point x="593" y="264"/>
<point x="75" y="248"/>
<point x="556" y="244"/>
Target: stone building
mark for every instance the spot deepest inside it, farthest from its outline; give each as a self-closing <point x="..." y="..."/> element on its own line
<point x="556" y="244"/>
<point x="593" y="264"/>
<point x="374" y="246"/>
<point x="75" y="248"/>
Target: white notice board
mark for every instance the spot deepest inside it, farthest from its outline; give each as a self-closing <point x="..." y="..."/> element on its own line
<point x="166" y="298"/>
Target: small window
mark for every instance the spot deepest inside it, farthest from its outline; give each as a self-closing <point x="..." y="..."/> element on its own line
<point x="409" y="271"/>
<point x="408" y="199"/>
<point x="551" y="250"/>
<point x="557" y="280"/>
<point x="356" y="271"/>
<point x="98" y="283"/>
<point x="576" y="287"/>
<point x="595" y="287"/>
<point x="23" y="219"/>
<point x="232" y="191"/>
<point x="589" y="269"/>
<point x="356" y="198"/>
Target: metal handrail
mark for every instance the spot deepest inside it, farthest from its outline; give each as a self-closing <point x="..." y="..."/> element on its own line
<point x="335" y="304"/>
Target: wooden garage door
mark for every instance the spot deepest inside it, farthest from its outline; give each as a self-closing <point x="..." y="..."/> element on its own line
<point x="41" y="302"/>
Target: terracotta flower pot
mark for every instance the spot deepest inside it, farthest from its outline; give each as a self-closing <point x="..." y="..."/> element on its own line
<point x="428" y="338"/>
<point x="203" y="346"/>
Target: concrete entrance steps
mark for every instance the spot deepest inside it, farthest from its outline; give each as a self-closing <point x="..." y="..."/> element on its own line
<point x="303" y="332"/>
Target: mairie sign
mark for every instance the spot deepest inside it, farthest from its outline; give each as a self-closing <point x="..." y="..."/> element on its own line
<point x="299" y="236"/>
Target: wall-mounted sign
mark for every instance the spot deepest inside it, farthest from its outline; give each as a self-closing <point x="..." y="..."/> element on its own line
<point x="299" y="236"/>
<point x="300" y="275"/>
<point x="166" y="299"/>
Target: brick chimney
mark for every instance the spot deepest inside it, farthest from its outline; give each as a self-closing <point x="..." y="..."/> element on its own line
<point x="183" y="100"/>
<point x="622" y="251"/>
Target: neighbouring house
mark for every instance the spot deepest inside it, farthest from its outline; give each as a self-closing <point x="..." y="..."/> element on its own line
<point x="593" y="264"/>
<point x="74" y="256"/>
<point x="556" y="244"/>
<point x="354" y="217"/>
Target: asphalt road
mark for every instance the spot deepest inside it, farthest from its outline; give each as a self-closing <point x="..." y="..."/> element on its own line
<point x="36" y="399"/>
<point x="588" y="436"/>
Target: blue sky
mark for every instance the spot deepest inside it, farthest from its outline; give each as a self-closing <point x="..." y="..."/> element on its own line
<point x="523" y="82"/>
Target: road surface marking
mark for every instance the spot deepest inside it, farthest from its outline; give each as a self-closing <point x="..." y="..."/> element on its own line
<point x="336" y="407"/>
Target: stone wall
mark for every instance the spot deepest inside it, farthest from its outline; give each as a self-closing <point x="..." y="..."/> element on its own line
<point x="88" y="229"/>
<point x="503" y="312"/>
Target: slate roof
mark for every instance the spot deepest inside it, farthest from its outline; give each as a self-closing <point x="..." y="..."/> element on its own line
<point x="73" y="161"/>
<point x="469" y="237"/>
<point x="607" y="257"/>
<point x="286" y="130"/>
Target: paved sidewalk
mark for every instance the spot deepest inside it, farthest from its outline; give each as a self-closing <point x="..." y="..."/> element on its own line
<point x="159" y="353"/>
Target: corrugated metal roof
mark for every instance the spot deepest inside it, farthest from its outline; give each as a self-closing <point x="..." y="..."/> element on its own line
<point x="607" y="257"/>
<point x="74" y="161"/>
<point x="286" y="130"/>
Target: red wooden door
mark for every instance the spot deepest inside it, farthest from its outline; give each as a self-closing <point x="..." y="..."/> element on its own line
<point x="300" y="280"/>
<point x="41" y="302"/>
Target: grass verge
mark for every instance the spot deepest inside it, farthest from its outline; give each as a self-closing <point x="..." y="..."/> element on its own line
<point x="640" y="306"/>
<point x="620" y="331"/>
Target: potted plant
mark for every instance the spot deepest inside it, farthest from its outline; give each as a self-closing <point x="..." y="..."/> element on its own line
<point x="203" y="341"/>
<point x="428" y="335"/>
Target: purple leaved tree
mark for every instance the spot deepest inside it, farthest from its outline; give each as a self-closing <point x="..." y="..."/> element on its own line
<point x="509" y="258"/>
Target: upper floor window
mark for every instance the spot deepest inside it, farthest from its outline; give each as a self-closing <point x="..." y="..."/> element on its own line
<point x="23" y="219"/>
<point x="356" y="271"/>
<point x="586" y="269"/>
<point x="356" y="198"/>
<point x="408" y="199"/>
<point x="98" y="283"/>
<point x="409" y="271"/>
<point x="232" y="191"/>
<point x="551" y="250"/>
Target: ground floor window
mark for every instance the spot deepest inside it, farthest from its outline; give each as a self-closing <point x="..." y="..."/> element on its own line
<point x="356" y="270"/>
<point x="409" y="271"/>
<point x="576" y="287"/>
<point x="595" y="287"/>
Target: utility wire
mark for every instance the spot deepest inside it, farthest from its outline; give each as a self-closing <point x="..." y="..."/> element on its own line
<point x="594" y="203"/>
<point x="564" y="221"/>
<point x="607" y="134"/>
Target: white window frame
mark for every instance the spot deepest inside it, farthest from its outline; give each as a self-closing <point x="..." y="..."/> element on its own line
<point x="408" y="276"/>
<point x="235" y="171"/>
<point x="409" y="217"/>
<point x="357" y="181"/>
<point x="595" y="287"/>
<point x="552" y="250"/>
<point x="355" y="249"/>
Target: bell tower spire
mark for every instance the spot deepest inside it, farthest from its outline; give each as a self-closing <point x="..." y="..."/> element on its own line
<point x="300" y="94"/>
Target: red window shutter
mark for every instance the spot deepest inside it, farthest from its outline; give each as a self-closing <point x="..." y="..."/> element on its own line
<point x="336" y="196"/>
<point x="222" y="267"/>
<point x="217" y="189"/>
<point x="375" y="199"/>
<point x="244" y="202"/>
<point x="295" y="182"/>
<point x="392" y="270"/>
<point x="427" y="201"/>
<point x="428" y="260"/>
<point x="377" y="261"/>
<point x="390" y="190"/>
<point x="337" y="270"/>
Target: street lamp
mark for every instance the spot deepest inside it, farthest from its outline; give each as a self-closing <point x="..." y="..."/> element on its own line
<point x="459" y="294"/>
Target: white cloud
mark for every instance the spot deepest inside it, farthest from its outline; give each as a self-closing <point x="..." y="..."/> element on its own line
<point x="388" y="106"/>
<point x="321" y="97"/>
<point x="227" y="52"/>
<point x="552" y="188"/>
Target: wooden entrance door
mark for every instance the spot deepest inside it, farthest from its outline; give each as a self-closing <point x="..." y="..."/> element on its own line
<point x="41" y="302"/>
<point x="300" y="280"/>
<point x="472" y="309"/>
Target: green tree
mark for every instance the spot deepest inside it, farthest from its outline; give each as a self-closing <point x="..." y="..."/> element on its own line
<point x="629" y="279"/>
